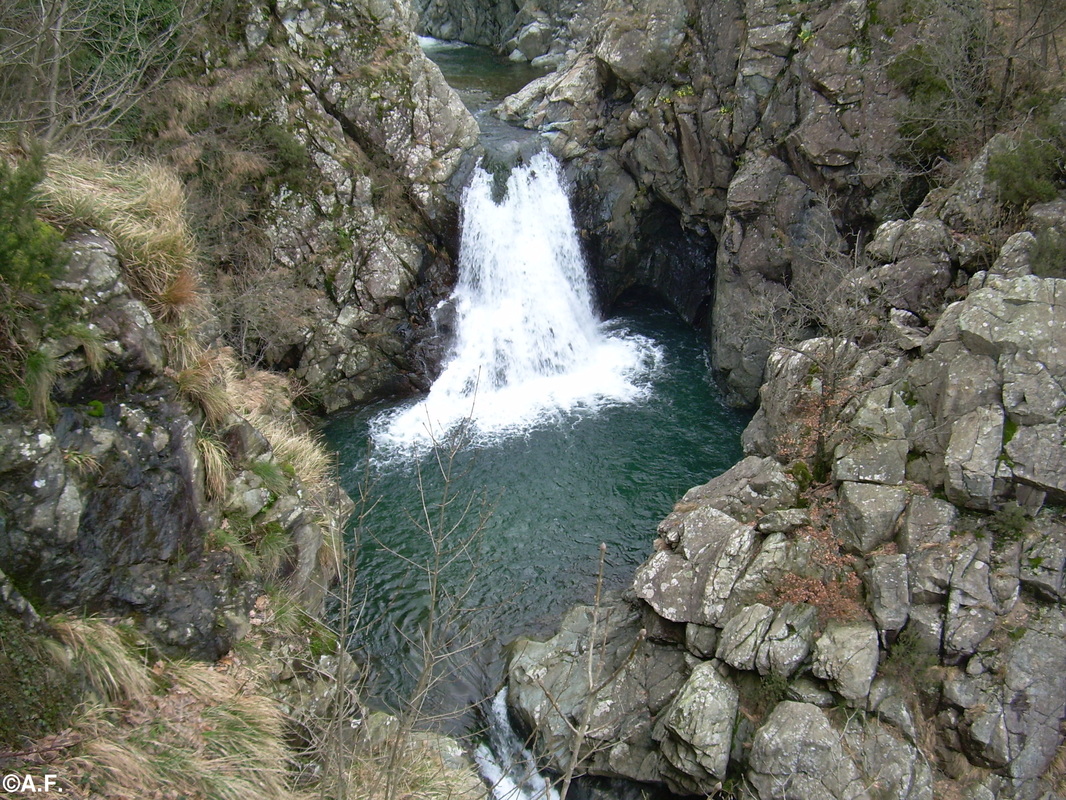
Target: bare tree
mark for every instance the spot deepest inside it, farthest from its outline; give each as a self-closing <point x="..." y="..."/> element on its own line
<point x="974" y="67"/>
<point x="824" y="322"/>
<point x="71" y="70"/>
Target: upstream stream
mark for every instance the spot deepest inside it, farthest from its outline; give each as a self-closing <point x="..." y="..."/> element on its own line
<point x="538" y="465"/>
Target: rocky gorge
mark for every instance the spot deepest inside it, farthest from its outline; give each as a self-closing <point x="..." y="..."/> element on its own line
<point x="869" y="605"/>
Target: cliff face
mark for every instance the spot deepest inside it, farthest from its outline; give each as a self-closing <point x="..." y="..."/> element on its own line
<point x="385" y="134"/>
<point x="117" y="506"/>
<point x="840" y="615"/>
<point x="320" y="146"/>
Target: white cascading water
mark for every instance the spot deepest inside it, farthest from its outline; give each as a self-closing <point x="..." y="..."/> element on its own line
<point x="505" y="763"/>
<point x="529" y="346"/>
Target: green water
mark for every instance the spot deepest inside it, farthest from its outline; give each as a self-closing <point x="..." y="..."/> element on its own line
<point x="539" y="506"/>
<point x="481" y="77"/>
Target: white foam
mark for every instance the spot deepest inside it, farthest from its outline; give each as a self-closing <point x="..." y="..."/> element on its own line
<point x="529" y="347"/>
<point x="505" y="763"/>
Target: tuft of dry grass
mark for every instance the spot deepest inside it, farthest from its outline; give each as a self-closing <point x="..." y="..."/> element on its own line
<point x="201" y="734"/>
<point x="92" y="344"/>
<point x="183" y="291"/>
<point x="217" y="466"/>
<point x="263" y="393"/>
<point x="389" y="762"/>
<point x="107" y="656"/>
<point x="311" y="461"/>
<point x="140" y="206"/>
<point x="206" y="382"/>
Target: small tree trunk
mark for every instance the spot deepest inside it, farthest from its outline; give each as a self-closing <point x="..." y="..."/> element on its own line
<point x="56" y="35"/>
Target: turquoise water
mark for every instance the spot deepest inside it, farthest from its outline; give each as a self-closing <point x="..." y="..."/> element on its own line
<point x="525" y="516"/>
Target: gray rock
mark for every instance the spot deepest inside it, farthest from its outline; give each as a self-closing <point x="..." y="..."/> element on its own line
<point x="742" y="636"/>
<point x="751" y="487"/>
<point x="784" y="521"/>
<point x="811" y="691"/>
<point x="1038" y="458"/>
<point x="640" y="43"/>
<point x="888" y="592"/>
<point x="972" y="203"/>
<point x="868" y="514"/>
<point x="930" y="573"/>
<point x="823" y="139"/>
<point x="872" y="461"/>
<point x="797" y="755"/>
<point x="1015" y="256"/>
<point x="548" y="683"/>
<point x="788" y="640"/>
<point x="927" y="520"/>
<point x="965" y="627"/>
<point x="1031" y="393"/>
<point x="888" y="701"/>
<point x="693" y="582"/>
<point x="701" y="640"/>
<point x="892" y="767"/>
<point x="846" y="655"/>
<point x="927" y="623"/>
<point x="695" y="733"/>
<point x="907" y="327"/>
<point x="972" y="458"/>
<point x="1043" y="560"/>
<point x="1012" y="723"/>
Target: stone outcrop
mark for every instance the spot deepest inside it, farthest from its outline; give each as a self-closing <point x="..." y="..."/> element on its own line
<point x="898" y="511"/>
<point x="108" y="509"/>
<point x="368" y="236"/>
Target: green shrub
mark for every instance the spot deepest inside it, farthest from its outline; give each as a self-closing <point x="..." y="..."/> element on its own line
<point x="29" y="260"/>
<point x="1030" y="173"/>
<point x="1049" y="254"/>
<point x="802" y="473"/>
<point x="28" y="246"/>
<point x="909" y="660"/>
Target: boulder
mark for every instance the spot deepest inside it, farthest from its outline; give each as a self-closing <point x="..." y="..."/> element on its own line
<point x="693" y="581"/>
<point x="972" y="462"/>
<point x="635" y="680"/>
<point x="868" y="514"/>
<point x="927" y="521"/>
<point x="695" y="732"/>
<point x="1037" y="456"/>
<point x="797" y="755"/>
<point x="639" y="41"/>
<point x="743" y="636"/>
<point x="749" y="489"/>
<point x="888" y="592"/>
<point x="787" y="642"/>
<point x="1043" y="559"/>
<point x="846" y="655"/>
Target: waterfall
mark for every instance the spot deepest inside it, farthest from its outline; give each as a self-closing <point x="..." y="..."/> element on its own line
<point x="529" y="347"/>
<point x="505" y="763"/>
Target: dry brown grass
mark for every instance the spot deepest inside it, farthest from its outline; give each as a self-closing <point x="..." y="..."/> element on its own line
<point x="205" y="381"/>
<point x="140" y="206"/>
<point x="312" y="463"/>
<point x="388" y="762"/>
<point x="259" y="392"/>
<point x="202" y="734"/>
<point x="217" y="467"/>
<point x="108" y="658"/>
